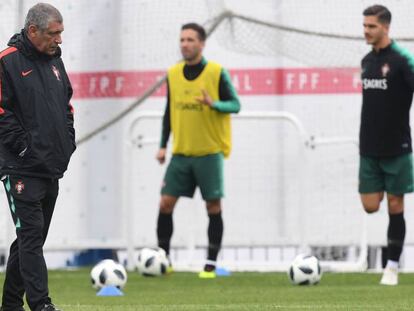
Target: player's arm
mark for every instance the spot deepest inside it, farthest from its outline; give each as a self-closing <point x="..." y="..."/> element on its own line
<point x="408" y="70"/>
<point x="12" y="134"/>
<point x="165" y="130"/>
<point x="69" y="108"/>
<point x="229" y="101"/>
<point x="69" y="124"/>
<point x="69" y="117"/>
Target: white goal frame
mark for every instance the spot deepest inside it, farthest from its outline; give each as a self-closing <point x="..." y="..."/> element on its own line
<point x="307" y="144"/>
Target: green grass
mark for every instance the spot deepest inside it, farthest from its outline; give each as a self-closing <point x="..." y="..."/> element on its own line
<point x="71" y="290"/>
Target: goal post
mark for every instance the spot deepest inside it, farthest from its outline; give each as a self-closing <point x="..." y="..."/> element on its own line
<point x="273" y="233"/>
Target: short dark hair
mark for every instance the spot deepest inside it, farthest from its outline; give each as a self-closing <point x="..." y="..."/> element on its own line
<point x="380" y="11"/>
<point x="41" y="14"/>
<point x="198" y="28"/>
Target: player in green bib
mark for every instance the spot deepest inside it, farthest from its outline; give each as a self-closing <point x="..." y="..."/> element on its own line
<point x="199" y="102"/>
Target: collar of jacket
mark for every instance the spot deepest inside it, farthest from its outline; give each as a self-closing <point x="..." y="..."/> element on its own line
<point x="385" y="49"/>
<point x="23" y="44"/>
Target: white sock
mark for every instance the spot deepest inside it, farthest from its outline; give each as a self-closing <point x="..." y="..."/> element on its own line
<point x="210" y="262"/>
<point x="392" y="264"/>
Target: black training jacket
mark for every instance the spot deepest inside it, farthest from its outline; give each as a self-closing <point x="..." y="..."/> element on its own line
<point x="37" y="137"/>
<point x="387" y="93"/>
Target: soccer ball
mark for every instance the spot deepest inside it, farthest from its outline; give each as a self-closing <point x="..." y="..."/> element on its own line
<point x="305" y="270"/>
<point x="108" y="273"/>
<point x="152" y="262"/>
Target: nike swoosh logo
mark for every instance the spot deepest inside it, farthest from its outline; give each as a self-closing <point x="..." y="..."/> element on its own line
<point x="25" y="73"/>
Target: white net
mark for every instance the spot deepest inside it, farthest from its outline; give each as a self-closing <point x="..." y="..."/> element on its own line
<point x="316" y="33"/>
<point x="296" y="56"/>
<point x="323" y="210"/>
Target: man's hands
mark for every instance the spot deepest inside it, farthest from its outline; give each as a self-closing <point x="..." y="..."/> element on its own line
<point x="205" y="99"/>
<point x="161" y="155"/>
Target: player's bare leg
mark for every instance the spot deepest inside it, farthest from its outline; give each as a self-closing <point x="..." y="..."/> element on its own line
<point x="372" y="201"/>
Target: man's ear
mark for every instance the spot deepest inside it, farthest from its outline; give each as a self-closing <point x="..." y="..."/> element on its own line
<point x="387" y="28"/>
<point x="32" y="31"/>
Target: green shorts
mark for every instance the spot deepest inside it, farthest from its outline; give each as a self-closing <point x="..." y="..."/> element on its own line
<point x="393" y="175"/>
<point x="184" y="174"/>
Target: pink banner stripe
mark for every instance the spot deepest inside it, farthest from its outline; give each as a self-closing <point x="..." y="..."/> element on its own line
<point x="272" y="81"/>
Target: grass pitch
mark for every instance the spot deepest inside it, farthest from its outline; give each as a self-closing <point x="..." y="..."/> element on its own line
<point x="72" y="291"/>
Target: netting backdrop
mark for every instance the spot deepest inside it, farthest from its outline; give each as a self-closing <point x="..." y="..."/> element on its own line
<point x="271" y="199"/>
<point x="313" y="33"/>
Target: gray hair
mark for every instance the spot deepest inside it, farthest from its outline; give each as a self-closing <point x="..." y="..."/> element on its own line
<point x="41" y="15"/>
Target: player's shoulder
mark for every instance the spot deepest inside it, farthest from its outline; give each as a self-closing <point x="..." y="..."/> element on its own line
<point x="176" y="66"/>
<point x="213" y="63"/>
<point x="368" y="56"/>
<point x="402" y="54"/>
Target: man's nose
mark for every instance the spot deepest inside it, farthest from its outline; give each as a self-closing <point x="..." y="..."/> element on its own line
<point x="58" y="39"/>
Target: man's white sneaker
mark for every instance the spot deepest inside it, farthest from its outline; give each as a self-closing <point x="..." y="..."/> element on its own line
<point x="389" y="277"/>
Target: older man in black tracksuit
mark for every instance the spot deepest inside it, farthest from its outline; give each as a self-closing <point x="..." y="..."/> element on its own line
<point x="37" y="139"/>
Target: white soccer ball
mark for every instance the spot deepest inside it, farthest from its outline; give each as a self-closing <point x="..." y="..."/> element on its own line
<point x="152" y="262"/>
<point x="305" y="270"/>
<point x="108" y="273"/>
